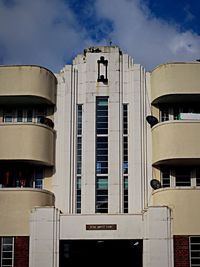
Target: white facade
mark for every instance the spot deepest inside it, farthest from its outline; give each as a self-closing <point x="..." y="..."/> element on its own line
<point x="78" y="84"/>
<point x="123" y="83"/>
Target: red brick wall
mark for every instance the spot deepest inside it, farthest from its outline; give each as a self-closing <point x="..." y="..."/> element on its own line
<point x="21" y="251"/>
<point x="181" y="251"/>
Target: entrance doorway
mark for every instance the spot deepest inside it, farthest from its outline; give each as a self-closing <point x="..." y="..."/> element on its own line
<point x="100" y="253"/>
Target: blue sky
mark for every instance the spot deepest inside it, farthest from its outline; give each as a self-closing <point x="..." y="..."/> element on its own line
<point x="51" y="32"/>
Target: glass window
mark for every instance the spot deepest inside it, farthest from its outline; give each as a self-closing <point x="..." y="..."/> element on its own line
<point x="125" y="154"/>
<point x="39" y="178"/>
<point x="79" y="158"/>
<point x="125" y="119"/>
<point x="198" y="176"/>
<point x="194" y="251"/>
<point x="29" y="115"/>
<point x="176" y="113"/>
<point x="7" y="251"/>
<point x="180" y="176"/>
<point x="183" y="177"/>
<point x="125" y="194"/>
<point x="102" y="115"/>
<point x="102" y="183"/>
<point x="165" y="177"/>
<point x="78" y="194"/>
<point x="8" y="116"/>
<point x="164" y="114"/>
<point x="102" y="194"/>
<point x="101" y="154"/>
<point x="19" y="115"/>
<point x="125" y="158"/>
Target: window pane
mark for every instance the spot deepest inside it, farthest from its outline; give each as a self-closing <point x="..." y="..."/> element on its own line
<point x="164" y="114"/>
<point x="102" y="183"/>
<point x="39" y="178"/>
<point x="19" y="115"/>
<point x="102" y="194"/>
<point x="125" y="194"/>
<point x="7" y="251"/>
<point x="183" y="176"/>
<point x="8" y="115"/>
<point x="29" y="115"/>
<point x="165" y="177"/>
<point x="198" y="176"/>
<point x="7" y="240"/>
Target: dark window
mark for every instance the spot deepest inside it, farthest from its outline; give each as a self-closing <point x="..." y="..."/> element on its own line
<point x="195" y="251"/>
<point x="79" y="158"/>
<point x="125" y="194"/>
<point x="183" y="177"/>
<point x="125" y="158"/>
<point x="102" y="194"/>
<point x="165" y="177"/>
<point x="101" y="154"/>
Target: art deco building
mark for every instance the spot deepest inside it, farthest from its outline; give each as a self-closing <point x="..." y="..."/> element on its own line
<point x="27" y="144"/>
<point x="100" y="163"/>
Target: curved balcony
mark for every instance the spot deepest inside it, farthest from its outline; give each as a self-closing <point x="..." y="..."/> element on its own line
<point x="27" y="84"/>
<point x="176" y="142"/>
<point x="184" y="204"/>
<point x="27" y="142"/>
<point x="174" y="82"/>
<point x="16" y="205"/>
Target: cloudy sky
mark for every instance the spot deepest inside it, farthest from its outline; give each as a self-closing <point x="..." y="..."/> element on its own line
<point x="51" y="32"/>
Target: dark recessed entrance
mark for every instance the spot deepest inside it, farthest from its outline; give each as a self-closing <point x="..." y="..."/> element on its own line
<point x="100" y="253"/>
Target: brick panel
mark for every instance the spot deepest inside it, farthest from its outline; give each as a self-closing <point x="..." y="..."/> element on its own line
<point x="181" y="251"/>
<point x="21" y="251"/>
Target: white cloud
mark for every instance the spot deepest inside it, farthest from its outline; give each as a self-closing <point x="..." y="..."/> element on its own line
<point x="151" y="41"/>
<point x="43" y="32"/>
<point x="49" y="33"/>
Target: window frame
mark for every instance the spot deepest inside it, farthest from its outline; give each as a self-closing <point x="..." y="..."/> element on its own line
<point x="11" y="251"/>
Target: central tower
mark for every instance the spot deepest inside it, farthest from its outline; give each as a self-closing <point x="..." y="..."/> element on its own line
<point x="96" y="139"/>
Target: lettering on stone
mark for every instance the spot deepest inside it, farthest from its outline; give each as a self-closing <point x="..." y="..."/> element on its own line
<point x="101" y="227"/>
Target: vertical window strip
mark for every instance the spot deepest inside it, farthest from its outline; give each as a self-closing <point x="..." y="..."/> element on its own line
<point x="7" y="251"/>
<point x="39" y="174"/>
<point x="165" y="177"/>
<point x="125" y="182"/>
<point x="102" y="155"/>
<point x="195" y="251"/>
<point x="78" y="194"/>
<point x="79" y="158"/>
<point x="125" y="158"/>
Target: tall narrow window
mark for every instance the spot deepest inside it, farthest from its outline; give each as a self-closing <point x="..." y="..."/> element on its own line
<point x="8" y="116"/>
<point x="164" y="114"/>
<point x="19" y="115"/>
<point x="78" y="158"/>
<point x="7" y="252"/>
<point x="165" y="177"/>
<point x="198" y="177"/>
<point x="125" y="194"/>
<point x="194" y="251"/>
<point x="102" y="154"/>
<point x="102" y="70"/>
<point x="29" y="115"/>
<point x="125" y="157"/>
<point x="39" y="178"/>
